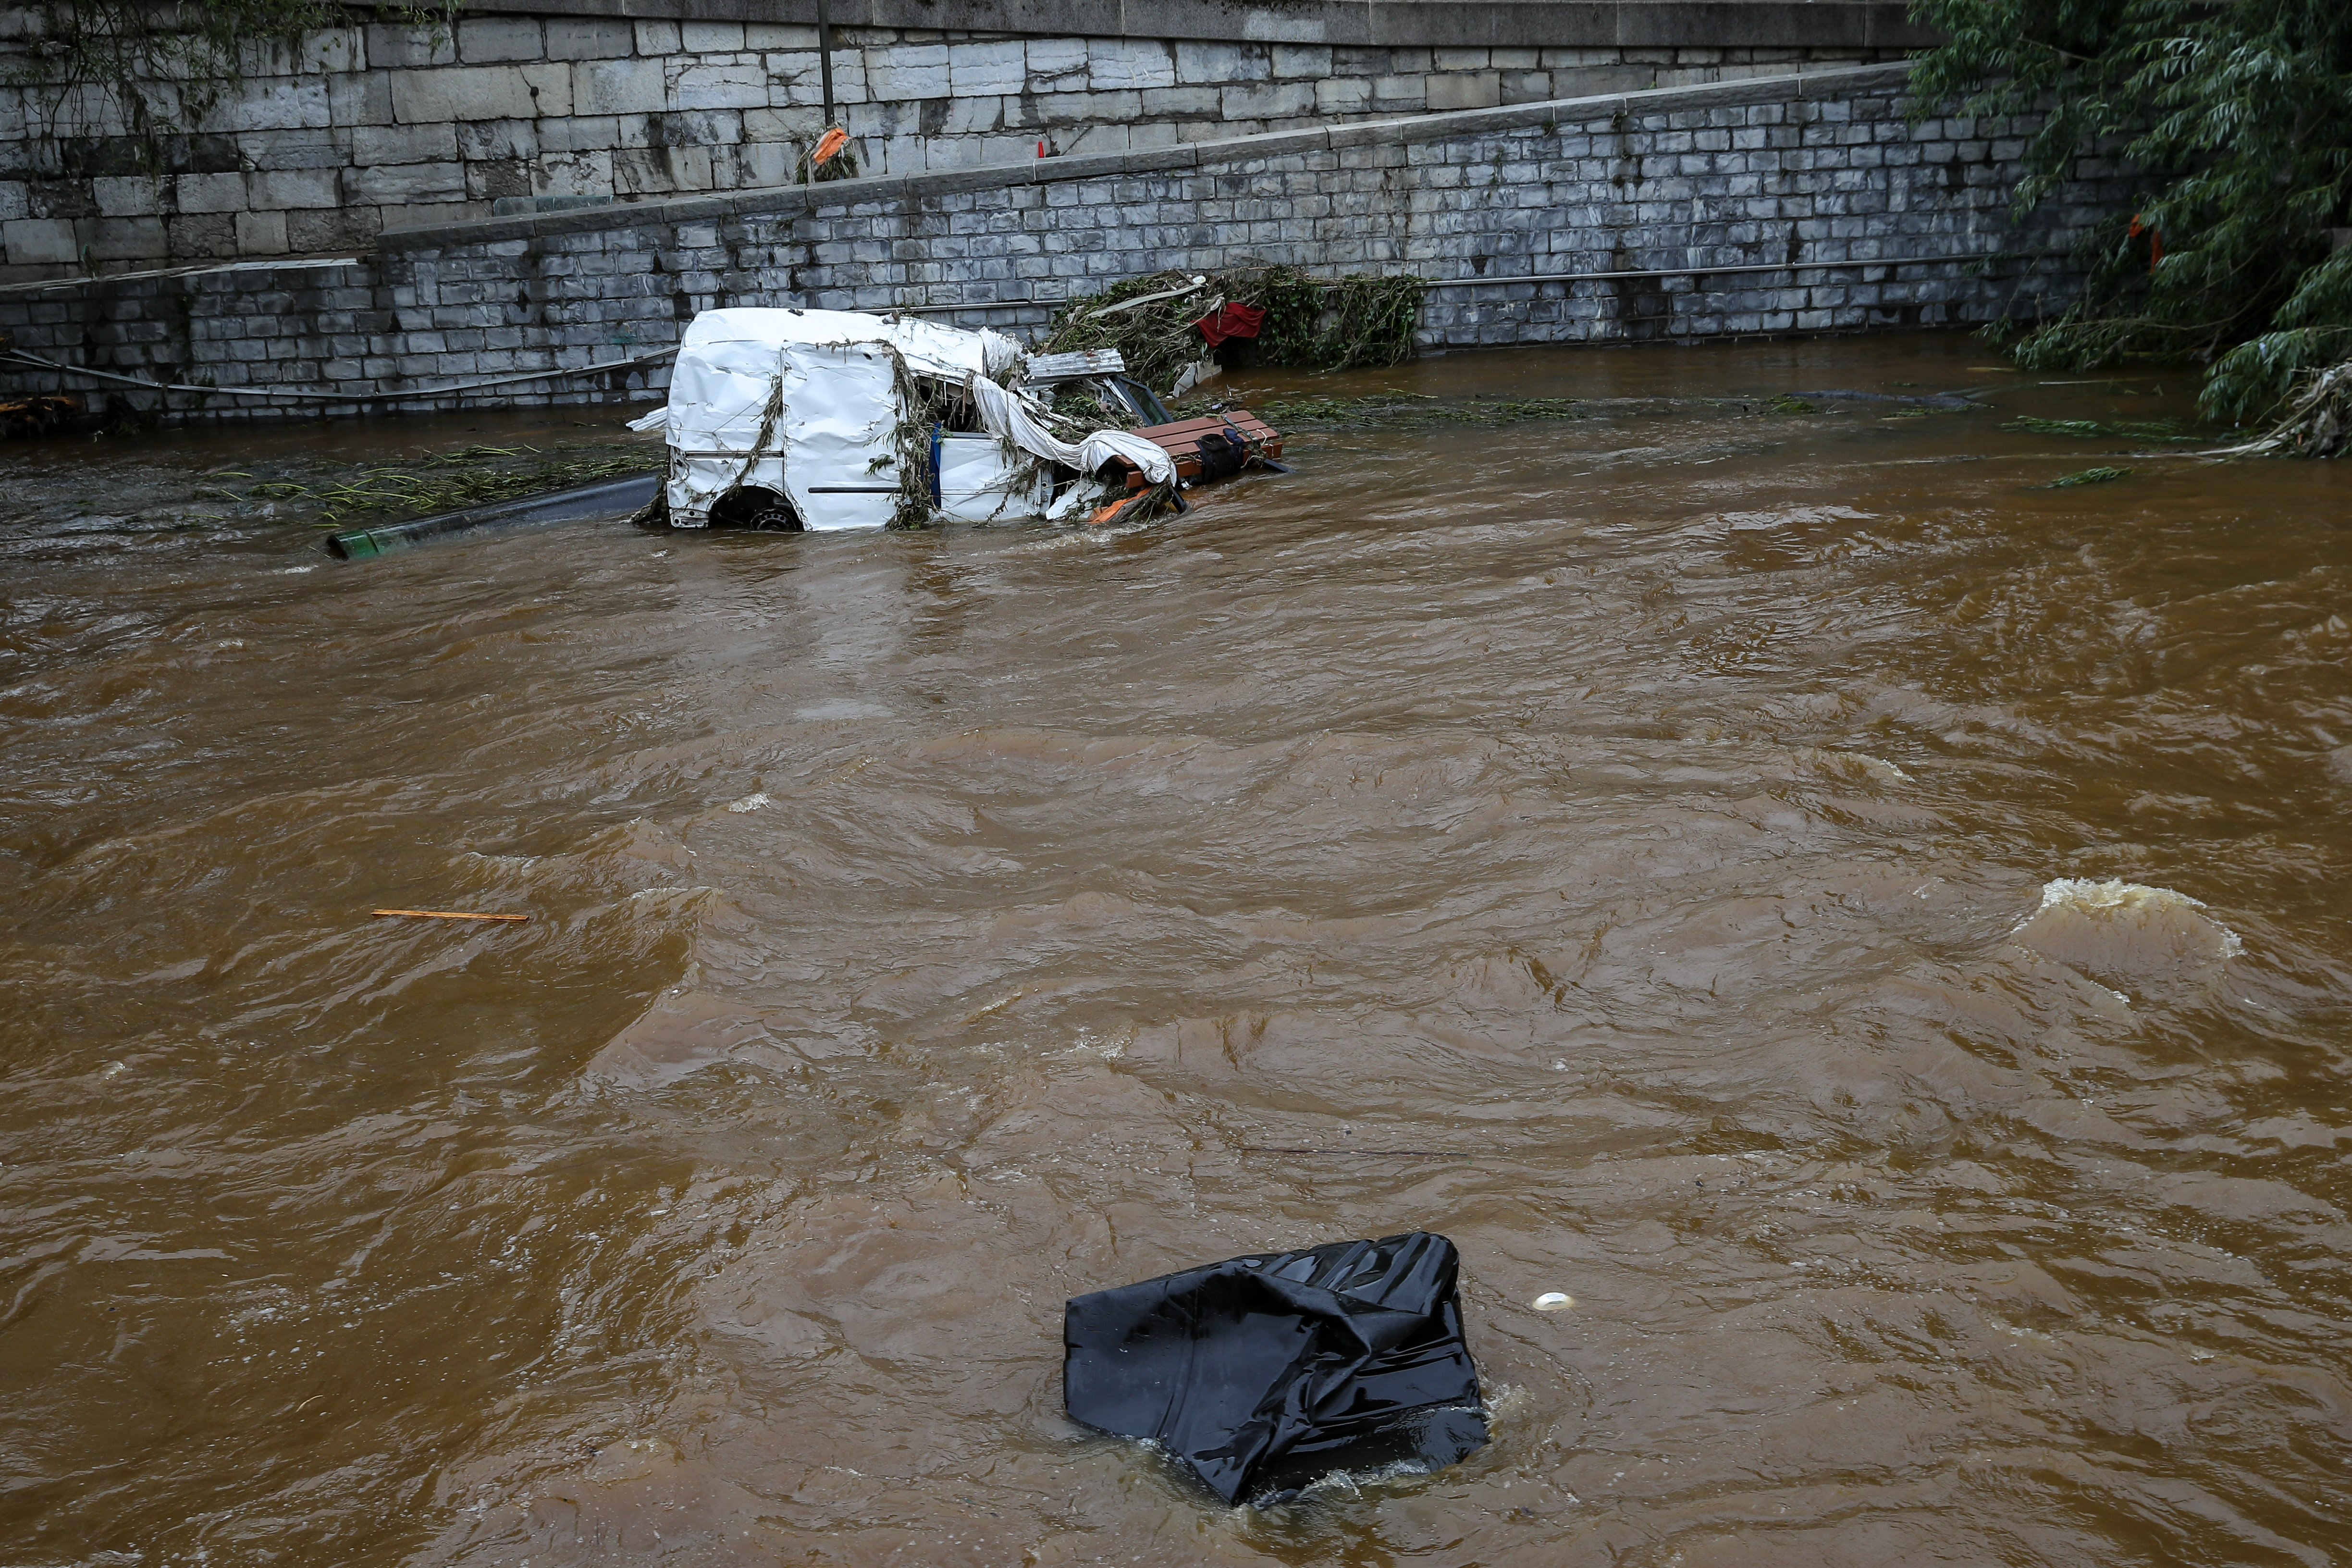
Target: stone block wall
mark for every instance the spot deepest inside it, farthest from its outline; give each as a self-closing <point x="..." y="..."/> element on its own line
<point x="372" y="126"/>
<point x="1795" y="205"/>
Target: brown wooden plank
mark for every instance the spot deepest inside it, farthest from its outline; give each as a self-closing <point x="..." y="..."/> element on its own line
<point x="1181" y="439"/>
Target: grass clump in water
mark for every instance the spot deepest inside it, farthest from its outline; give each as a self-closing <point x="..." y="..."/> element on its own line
<point x="1421" y="408"/>
<point x="2088" y="476"/>
<point x="2093" y="430"/>
<point x="447" y="481"/>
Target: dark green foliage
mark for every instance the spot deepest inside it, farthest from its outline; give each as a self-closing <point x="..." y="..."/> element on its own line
<point x="2085" y="429"/>
<point x="2239" y="115"/>
<point x="1309" y="323"/>
<point x="161" y="67"/>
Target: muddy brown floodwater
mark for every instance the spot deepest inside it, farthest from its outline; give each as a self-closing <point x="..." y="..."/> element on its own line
<point x="1873" y="932"/>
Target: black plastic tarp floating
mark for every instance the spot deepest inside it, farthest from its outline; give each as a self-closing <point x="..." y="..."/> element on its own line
<point x="1262" y="1373"/>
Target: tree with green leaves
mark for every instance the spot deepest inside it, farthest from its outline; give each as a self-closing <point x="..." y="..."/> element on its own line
<point x="2238" y="116"/>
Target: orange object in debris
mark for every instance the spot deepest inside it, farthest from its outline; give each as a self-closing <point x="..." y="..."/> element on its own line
<point x="832" y="142"/>
<point x="446" y="915"/>
<point x="1125" y="508"/>
<point x="2140" y="225"/>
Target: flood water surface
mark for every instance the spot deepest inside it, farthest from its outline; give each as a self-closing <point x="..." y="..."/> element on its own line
<point x="1871" y="930"/>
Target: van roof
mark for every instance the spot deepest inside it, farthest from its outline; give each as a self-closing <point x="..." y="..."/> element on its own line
<point x="926" y="345"/>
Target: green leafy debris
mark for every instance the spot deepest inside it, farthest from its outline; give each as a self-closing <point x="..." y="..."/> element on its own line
<point x="2092" y="429"/>
<point x="1419" y="408"/>
<point x="447" y="481"/>
<point x="1310" y="323"/>
<point x="2088" y="476"/>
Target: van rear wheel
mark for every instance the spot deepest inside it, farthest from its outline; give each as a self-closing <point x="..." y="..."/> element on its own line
<point x="756" y="507"/>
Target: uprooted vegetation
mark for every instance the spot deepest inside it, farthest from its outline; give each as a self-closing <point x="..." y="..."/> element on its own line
<point x="2101" y="476"/>
<point x="2318" y="420"/>
<point x="1310" y="323"/>
<point x="2162" y="431"/>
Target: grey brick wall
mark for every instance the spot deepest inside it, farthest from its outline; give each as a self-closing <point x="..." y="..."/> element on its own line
<point x="373" y="126"/>
<point x="1793" y="205"/>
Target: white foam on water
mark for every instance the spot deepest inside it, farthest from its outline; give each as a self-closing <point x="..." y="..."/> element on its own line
<point x="1878" y="769"/>
<point x="2116" y="894"/>
<point x="842" y="708"/>
<point x="2122" y="928"/>
<point x="749" y="803"/>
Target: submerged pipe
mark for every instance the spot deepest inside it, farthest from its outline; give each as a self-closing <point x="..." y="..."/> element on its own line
<point x="601" y="499"/>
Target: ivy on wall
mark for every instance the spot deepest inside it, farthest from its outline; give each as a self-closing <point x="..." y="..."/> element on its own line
<point x="141" y="71"/>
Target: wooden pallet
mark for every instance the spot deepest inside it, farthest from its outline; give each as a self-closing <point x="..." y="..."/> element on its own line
<point x="1182" y="440"/>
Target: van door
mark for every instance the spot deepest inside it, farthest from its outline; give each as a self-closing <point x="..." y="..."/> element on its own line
<point x="979" y="483"/>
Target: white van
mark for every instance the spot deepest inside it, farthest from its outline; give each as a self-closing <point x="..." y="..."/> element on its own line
<point x="834" y="419"/>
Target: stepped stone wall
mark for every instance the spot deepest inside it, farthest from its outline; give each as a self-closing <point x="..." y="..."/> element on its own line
<point x="525" y="106"/>
<point x="1795" y="205"/>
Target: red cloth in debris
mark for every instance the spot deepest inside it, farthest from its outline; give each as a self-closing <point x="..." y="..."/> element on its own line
<point x="1230" y="321"/>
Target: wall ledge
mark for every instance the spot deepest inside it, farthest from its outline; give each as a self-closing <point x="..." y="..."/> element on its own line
<point x="899" y="190"/>
<point x="1472" y="24"/>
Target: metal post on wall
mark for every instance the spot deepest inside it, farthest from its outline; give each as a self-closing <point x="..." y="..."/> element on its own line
<point x="825" y="56"/>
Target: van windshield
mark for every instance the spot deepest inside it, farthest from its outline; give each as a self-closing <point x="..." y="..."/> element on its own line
<point x="1148" y="408"/>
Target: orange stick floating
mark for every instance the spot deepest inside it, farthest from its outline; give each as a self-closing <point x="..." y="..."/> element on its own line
<point x="446" y="915"/>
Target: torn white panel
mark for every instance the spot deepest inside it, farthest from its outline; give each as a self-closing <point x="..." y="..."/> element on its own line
<point x="1012" y="419"/>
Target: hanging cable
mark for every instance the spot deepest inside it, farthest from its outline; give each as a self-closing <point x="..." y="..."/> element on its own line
<point x="17" y="356"/>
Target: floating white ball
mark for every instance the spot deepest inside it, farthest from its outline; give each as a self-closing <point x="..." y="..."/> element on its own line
<point x="1553" y="1301"/>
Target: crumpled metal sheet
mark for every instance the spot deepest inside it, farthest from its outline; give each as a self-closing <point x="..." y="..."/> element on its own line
<point x="1012" y="417"/>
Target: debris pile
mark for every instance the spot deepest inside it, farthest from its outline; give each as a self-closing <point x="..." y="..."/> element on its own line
<point x="1175" y="329"/>
<point x="2318" y="422"/>
<point x="37" y="414"/>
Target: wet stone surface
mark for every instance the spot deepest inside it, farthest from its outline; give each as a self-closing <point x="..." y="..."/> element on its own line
<point x="1867" y="929"/>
